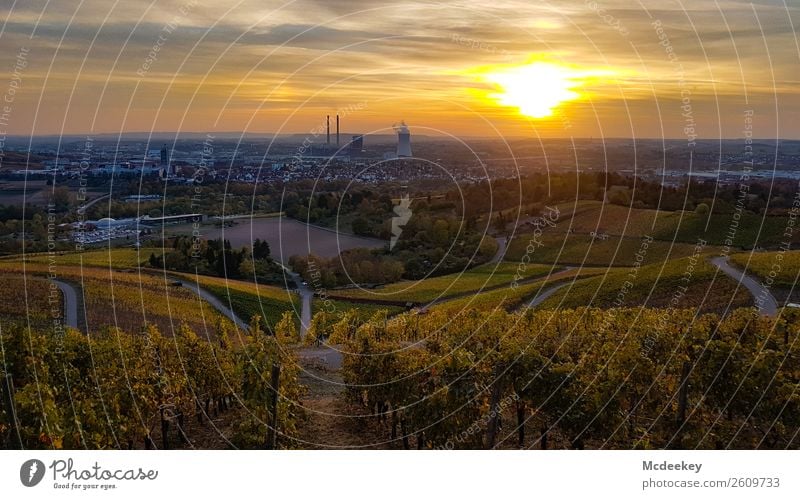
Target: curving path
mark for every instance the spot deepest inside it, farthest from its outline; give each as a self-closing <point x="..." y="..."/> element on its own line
<point x="70" y="303"/>
<point x="91" y="203"/>
<point x="502" y="246"/>
<point x="213" y="301"/>
<point x="766" y="303"/>
<point x="542" y="296"/>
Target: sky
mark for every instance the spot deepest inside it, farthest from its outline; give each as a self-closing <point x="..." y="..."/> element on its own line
<point x="559" y="68"/>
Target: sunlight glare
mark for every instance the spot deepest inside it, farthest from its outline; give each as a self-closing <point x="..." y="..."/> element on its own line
<point x="536" y="88"/>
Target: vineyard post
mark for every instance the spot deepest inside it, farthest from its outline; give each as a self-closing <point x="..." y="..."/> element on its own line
<point x="683" y="394"/>
<point x="494" y="410"/>
<point x="164" y="430"/>
<point x="14" y="438"/>
<point x="521" y="423"/>
<point x="272" y="442"/>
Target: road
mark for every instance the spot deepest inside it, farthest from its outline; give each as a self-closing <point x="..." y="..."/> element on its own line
<point x="70" y="303"/>
<point x="306" y="295"/>
<point x="501" y="249"/>
<point x="214" y="302"/>
<point x="83" y="208"/>
<point x="547" y="293"/>
<point x="766" y="303"/>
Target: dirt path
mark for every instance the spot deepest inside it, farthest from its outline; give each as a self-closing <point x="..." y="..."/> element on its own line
<point x="332" y="422"/>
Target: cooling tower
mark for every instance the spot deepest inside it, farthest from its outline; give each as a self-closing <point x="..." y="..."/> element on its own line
<point x="403" y="140"/>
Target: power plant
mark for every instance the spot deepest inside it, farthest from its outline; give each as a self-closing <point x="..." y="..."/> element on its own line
<point x="403" y="140"/>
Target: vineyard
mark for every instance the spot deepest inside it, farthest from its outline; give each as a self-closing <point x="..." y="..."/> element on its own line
<point x="363" y="310"/>
<point x="687" y="282"/>
<point x="139" y="389"/>
<point x="585" y="378"/>
<point x="117" y="258"/>
<point x="248" y="299"/>
<point x="512" y="297"/>
<point x="427" y="290"/>
<point x="781" y="268"/>
<point x="583" y="249"/>
<point x="128" y="300"/>
<point x="29" y="302"/>
<point x="681" y="226"/>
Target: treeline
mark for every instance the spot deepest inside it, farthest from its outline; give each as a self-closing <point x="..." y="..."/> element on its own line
<point x="359" y="265"/>
<point x="773" y="196"/>
<point x="122" y="390"/>
<point x="585" y="378"/>
<point x="370" y="211"/>
<point x="217" y="257"/>
<point x="431" y="244"/>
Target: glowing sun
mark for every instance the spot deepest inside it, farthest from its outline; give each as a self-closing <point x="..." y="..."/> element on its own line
<point x="536" y="88"/>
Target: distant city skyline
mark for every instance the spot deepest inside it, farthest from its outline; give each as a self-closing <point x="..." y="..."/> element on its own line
<point x="709" y="69"/>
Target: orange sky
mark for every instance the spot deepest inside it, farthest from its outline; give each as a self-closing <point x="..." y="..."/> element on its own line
<point x="639" y="69"/>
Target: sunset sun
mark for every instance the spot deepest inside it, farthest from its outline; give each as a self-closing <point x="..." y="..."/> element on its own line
<point x="536" y="89"/>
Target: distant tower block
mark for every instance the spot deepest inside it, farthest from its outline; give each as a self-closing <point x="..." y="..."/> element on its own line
<point x="337" y="130"/>
<point x="165" y="163"/>
<point x="403" y="140"/>
<point x="357" y="144"/>
<point x="328" y="129"/>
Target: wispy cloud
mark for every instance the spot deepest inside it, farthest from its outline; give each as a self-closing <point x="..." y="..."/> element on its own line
<point x="224" y="64"/>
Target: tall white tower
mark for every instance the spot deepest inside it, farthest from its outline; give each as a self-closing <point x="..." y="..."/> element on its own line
<point x="403" y="140"/>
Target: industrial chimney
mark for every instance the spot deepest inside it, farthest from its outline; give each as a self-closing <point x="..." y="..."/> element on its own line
<point x="337" y="131"/>
<point x="328" y="129"/>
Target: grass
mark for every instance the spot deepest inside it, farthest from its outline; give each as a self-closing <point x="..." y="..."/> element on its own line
<point x="427" y="290"/>
<point x="248" y="299"/>
<point x="581" y="249"/>
<point x="782" y="268"/>
<point x="509" y="297"/>
<point x="364" y="310"/>
<point x="654" y="286"/>
<point x="682" y="226"/>
<point x="117" y="258"/>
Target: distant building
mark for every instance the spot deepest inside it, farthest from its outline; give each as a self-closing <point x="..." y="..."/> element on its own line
<point x="172" y="219"/>
<point x="165" y="160"/>
<point x="356" y="145"/>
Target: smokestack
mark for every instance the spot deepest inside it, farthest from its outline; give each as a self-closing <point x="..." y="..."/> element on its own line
<point x="337" y="130"/>
<point x="328" y="128"/>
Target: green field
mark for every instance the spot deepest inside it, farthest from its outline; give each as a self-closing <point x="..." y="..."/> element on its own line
<point x="365" y="310"/>
<point x="510" y="298"/>
<point x="246" y="299"/>
<point x="782" y="268"/>
<point x="681" y="226"/>
<point x="655" y="286"/>
<point x="427" y="290"/>
<point x="116" y="258"/>
<point x="581" y="249"/>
